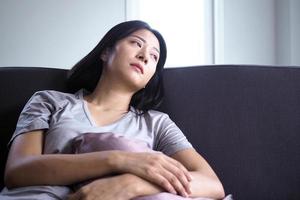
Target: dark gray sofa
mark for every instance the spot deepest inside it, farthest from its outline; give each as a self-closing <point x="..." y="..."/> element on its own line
<point x="245" y="120"/>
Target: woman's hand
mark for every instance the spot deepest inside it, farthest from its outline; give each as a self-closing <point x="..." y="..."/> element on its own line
<point x="112" y="188"/>
<point x="157" y="168"/>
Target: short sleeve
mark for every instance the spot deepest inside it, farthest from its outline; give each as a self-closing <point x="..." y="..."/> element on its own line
<point x="35" y="115"/>
<point x="170" y="138"/>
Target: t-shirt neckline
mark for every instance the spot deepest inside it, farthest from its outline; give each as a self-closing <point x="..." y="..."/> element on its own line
<point x="86" y="110"/>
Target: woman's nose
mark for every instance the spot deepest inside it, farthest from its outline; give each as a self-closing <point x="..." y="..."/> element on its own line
<point x="143" y="57"/>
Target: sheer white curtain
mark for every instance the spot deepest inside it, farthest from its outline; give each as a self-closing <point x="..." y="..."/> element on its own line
<point x="187" y="26"/>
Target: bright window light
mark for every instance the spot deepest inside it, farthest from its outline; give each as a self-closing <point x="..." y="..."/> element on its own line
<point x="185" y="24"/>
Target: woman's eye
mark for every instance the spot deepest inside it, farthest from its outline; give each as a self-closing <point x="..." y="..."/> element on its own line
<point x="137" y="43"/>
<point x="155" y="57"/>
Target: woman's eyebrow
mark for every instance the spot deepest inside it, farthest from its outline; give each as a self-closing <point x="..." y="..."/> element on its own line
<point x="139" y="37"/>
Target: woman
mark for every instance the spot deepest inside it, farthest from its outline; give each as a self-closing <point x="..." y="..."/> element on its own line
<point x="118" y="85"/>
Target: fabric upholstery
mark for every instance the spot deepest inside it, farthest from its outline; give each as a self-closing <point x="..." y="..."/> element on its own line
<point x="245" y="120"/>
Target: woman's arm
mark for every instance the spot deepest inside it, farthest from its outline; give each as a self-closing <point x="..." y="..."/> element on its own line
<point x="26" y="165"/>
<point x="120" y="187"/>
<point x="205" y="182"/>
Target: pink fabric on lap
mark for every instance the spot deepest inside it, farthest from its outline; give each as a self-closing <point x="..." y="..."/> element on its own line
<point x="169" y="196"/>
<point x="90" y="142"/>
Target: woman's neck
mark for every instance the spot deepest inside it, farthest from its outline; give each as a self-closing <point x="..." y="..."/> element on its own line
<point x="109" y="97"/>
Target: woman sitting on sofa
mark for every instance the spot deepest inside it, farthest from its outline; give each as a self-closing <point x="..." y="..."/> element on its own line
<point x="118" y="84"/>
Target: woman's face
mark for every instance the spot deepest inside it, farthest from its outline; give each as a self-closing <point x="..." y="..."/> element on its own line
<point x="133" y="60"/>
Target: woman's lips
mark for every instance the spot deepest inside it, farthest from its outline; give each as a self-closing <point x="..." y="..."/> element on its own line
<point x="138" y="66"/>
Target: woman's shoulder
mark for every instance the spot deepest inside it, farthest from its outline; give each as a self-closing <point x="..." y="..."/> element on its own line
<point x="55" y="96"/>
<point x="157" y="113"/>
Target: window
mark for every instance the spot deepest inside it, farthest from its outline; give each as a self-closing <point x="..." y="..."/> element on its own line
<point x="187" y="27"/>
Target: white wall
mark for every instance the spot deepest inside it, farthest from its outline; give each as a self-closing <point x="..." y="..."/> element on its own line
<point x="283" y="32"/>
<point x="295" y="32"/>
<point x="54" y="33"/>
<point x="249" y="32"/>
<point x="261" y="32"/>
<point x="57" y="33"/>
<point x="288" y="32"/>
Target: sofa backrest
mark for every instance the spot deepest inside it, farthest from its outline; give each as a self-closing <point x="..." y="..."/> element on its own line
<point x="245" y="120"/>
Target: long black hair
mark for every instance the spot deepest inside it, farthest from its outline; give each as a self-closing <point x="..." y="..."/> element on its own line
<point x="86" y="73"/>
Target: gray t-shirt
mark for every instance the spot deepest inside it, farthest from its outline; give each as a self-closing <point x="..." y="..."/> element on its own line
<point x="64" y="116"/>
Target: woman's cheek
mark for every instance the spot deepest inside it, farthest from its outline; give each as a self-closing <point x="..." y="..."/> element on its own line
<point x="150" y="75"/>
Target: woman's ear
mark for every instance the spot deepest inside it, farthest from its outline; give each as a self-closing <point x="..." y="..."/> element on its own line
<point x="105" y="55"/>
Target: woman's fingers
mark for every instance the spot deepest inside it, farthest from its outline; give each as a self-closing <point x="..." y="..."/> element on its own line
<point x="178" y="182"/>
<point x="160" y="169"/>
<point x="164" y="183"/>
<point x="182" y="167"/>
<point x="182" y="174"/>
<point x="177" y="175"/>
